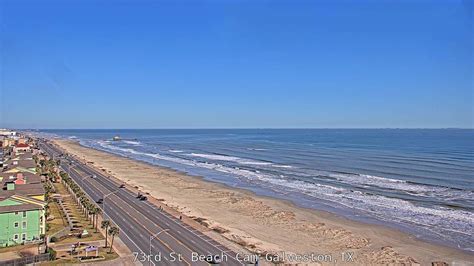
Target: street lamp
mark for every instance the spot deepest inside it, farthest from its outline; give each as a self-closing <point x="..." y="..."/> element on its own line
<point x="103" y="200"/>
<point x="70" y="168"/>
<point x="151" y="238"/>
<point x="82" y="181"/>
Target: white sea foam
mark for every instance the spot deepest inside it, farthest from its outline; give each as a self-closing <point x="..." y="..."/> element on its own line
<point x="176" y="151"/>
<point x="381" y="182"/>
<point x="402" y="186"/>
<point x="441" y="221"/>
<point x="282" y="166"/>
<point x="131" y="142"/>
<point x="385" y="208"/>
<point x="218" y="157"/>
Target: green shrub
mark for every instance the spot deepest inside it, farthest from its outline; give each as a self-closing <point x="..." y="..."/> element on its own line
<point x="52" y="253"/>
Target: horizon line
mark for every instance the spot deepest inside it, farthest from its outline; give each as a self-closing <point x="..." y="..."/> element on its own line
<point x="244" y="128"/>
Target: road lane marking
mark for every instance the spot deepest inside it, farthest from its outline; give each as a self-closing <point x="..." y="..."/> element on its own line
<point x="124" y="233"/>
<point x="143" y="226"/>
<point x="106" y="179"/>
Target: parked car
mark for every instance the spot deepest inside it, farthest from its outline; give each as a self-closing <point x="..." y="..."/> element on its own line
<point x="122" y="186"/>
<point x="143" y="198"/>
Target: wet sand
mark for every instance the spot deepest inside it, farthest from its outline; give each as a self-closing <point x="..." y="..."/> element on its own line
<point x="269" y="226"/>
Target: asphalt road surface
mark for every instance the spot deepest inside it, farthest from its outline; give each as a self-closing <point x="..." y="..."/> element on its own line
<point x="173" y="242"/>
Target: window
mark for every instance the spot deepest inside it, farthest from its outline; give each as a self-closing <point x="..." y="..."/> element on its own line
<point x="23" y="237"/>
<point x="23" y="225"/>
<point x="15" y="236"/>
<point x="16" y="224"/>
<point x="24" y="214"/>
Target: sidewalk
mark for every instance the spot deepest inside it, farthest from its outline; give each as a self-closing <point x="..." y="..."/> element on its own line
<point x="125" y="254"/>
<point x="67" y="246"/>
<point x="115" y="262"/>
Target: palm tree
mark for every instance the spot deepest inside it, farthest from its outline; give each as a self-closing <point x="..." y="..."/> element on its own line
<point x="85" y="206"/>
<point x="82" y="200"/>
<point x="63" y="175"/>
<point x="79" y="195"/>
<point x="113" y="231"/>
<point x="42" y="163"/>
<point x="50" y="165"/>
<point x="92" y="212"/>
<point x="105" y="225"/>
<point x="97" y="212"/>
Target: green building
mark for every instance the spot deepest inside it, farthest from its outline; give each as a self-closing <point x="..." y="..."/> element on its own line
<point x="22" y="220"/>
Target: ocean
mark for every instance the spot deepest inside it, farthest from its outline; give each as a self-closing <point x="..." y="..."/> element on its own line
<point x="416" y="180"/>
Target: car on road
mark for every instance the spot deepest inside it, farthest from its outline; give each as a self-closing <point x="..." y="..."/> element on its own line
<point x="122" y="186"/>
<point x="93" y="176"/>
<point x="99" y="201"/>
<point x="143" y="198"/>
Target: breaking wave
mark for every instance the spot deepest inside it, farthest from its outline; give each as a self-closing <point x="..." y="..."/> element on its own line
<point x="442" y="221"/>
<point x="131" y="142"/>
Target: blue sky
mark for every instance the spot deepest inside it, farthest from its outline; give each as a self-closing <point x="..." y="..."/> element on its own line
<point x="234" y="64"/>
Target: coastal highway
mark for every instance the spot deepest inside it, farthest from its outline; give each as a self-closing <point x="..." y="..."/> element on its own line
<point x="173" y="242"/>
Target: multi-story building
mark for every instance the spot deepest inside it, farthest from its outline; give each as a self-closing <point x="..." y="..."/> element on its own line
<point x="22" y="220"/>
<point x="22" y="200"/>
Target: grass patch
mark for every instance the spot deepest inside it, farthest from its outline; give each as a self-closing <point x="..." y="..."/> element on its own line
<point x="58" y="222"/>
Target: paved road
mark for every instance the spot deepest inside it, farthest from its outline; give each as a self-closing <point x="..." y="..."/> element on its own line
<point x="177" y="244"/>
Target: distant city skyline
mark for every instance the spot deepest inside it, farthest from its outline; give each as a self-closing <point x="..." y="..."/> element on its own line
<point x="236" y="64"/>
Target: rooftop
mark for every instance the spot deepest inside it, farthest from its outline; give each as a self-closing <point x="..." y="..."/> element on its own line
<point x="22" y="145"/>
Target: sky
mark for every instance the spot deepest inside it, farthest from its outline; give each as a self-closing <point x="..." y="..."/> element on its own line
<point x="236" y="64"/>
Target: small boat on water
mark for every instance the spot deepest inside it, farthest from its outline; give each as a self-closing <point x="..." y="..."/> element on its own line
<point x="116" y="138"/>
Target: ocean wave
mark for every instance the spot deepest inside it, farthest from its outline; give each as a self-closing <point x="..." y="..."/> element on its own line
<point x="131" y="142"/>
<point x="218" y="157"/>
<point x="403" y="186"/>
<point x="282" y="166"/>
<point x="442" y="221"/>
<point x="384" y="208"/>
<point x="176" y="151"/>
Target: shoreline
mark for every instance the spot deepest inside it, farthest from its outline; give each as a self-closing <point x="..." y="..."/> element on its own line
<point x="264" y="224"/>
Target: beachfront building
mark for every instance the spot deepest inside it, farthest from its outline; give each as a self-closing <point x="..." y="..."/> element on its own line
<point x="21" y="163"/>
<point x="7" y="142"/>
<point x="21" y="147"/>
<point x="7" y="133"/>
<point x="22" y="197"/>
<point x="22" y="220"/>
<point x="20" y="187"/>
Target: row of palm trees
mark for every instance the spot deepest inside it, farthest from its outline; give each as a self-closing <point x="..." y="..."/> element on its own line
<point x="109" y="230"/>
<point x="48" y="167"/>
<point x="89" y="208"/>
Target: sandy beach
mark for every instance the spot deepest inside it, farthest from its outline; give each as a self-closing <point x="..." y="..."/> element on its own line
<point x="265" y="225"/>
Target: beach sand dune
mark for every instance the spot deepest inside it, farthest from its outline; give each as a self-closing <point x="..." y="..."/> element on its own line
<point x="265" y="225"/>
